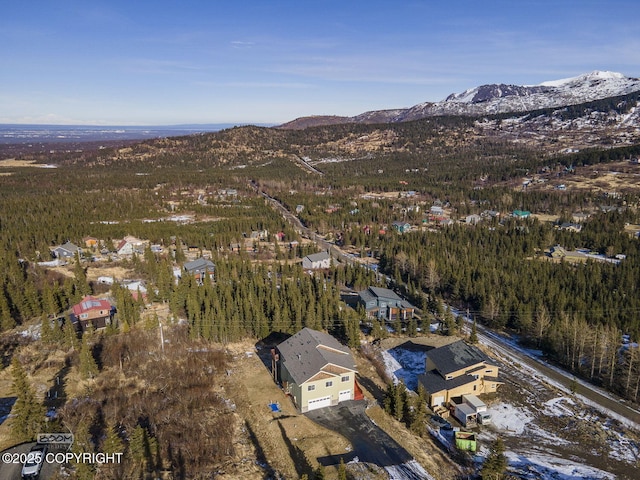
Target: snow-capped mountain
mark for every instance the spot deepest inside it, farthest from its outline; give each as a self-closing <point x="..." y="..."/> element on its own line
<point x="500" y="98"/>
<point x="491" y="99"/>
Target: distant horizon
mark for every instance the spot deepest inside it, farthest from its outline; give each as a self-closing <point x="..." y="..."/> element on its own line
<point x="266" y="63"/>
<point x="136" y="126"/>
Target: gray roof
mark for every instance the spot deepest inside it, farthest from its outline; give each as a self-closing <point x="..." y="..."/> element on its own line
<point x="70" y="247"/>
<point x="433" y="382"/>
<point x="366" y="296"/>
<point x="456" y="356"/>
<point x="318" y="257"/>
<point x="309" y="351"/>
<point x="199" y="264"/>
<point x="377" y="292"/>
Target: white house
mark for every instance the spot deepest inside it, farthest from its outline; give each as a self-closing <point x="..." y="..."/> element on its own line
<point x="317" y="261"/>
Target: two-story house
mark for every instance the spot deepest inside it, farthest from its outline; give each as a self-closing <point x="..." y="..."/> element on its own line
<point x="457" y="369"/>
<point x="315" y="370"/>
<point x="199" y="268"/>
<point x="385" y="304"/>
<point x="91" y="310"/>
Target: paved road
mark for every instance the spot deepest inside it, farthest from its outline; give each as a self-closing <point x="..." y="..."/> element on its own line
<point x="307" y="232"/>
<point x="11" y="471"/>
<point x="599" y="398"/>
<point x="595" y="396"/>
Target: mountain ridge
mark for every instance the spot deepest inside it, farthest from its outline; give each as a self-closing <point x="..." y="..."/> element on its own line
<point x="494" y="99"/>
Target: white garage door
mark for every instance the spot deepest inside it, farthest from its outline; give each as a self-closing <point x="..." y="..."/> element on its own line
<point x="344" y="395"/>
<point x="437" y="400"/>
<point x="319" y="403"/>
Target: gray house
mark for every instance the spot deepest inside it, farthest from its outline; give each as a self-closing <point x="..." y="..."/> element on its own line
<point x="199" y="268"/>
<point x="384" y="303"/>
<point x="316" y="370"/>
<point x="67" y="250"/>
<point x="317" y="261"/>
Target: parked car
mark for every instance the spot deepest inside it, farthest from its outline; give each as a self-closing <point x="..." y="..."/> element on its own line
<point x="35" y="460"/>
<point x="438" y="421"/>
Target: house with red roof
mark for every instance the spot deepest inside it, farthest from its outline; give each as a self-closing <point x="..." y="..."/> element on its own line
<point x="98" y="312"/>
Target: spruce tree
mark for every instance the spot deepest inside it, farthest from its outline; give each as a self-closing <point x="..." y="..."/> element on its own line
<point x="419" y="416"/>
<point x="88" y="365"/>
<point x="473" y="338"/>
<point x="28" y="412"/>
<point x="46" y="332"/>
<point x="342" y="470"/>
<point x="7" y="322"/>
<point x="112" y="442"/>
<point x="70" y="335"/>
<point x="82" y="286"/>
<point x="495" y="464"/>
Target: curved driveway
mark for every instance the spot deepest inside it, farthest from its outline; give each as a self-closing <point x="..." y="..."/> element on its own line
<point x="370" y="443"/>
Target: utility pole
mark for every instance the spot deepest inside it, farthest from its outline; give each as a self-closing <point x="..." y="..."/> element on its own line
<point x="161" y="337"/>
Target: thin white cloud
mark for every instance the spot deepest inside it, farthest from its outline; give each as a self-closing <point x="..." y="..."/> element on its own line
<point x="241" y="44"/>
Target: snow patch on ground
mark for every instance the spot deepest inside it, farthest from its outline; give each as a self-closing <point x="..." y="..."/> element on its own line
<point x="534" y="465"/>
<point x="391" y="366"/>
<point x="409" y="470"/>
<point x="511" y="419"/>
<point x="406" y="365"/>
<point x="555" y="408"/>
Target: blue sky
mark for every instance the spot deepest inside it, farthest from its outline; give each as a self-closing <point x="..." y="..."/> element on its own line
<point x="139" y="62"/>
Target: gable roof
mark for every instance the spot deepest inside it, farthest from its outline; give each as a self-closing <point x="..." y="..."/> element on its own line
<point x="456" y="356"/>
<point x="89" y="303"/>
<point x="318" y="257"/>
<point x="199" y="264"/>
<point x="373" y="293"/>
<point x="309" y="351"/>
<point x="433" y="383"/>
<point x="69" y="247"/>
<point x="122" y="244"/>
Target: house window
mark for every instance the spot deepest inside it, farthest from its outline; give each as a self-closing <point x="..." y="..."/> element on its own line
<point x="345" y="378"/>
<point x="488" y="371"/>
<point x="311" y="387"/>
<point x="449" y="377"/>
<point x="84" y="315"/>
<point x="493" y="386"/>
<point x="328" y="384"/>
<point x="475" y="387"/>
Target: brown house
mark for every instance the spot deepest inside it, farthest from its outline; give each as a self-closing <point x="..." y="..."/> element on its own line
<point x="94" y="311"/>
<point x="457" y="369"/>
